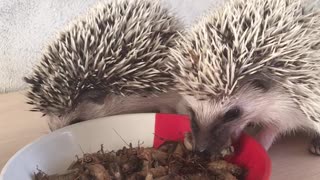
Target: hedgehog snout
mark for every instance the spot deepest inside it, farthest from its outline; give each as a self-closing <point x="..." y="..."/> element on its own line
<point x="59" y="121"/>
<point x="212" y="141"/>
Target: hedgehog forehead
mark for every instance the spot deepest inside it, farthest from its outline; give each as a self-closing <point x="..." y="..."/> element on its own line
<point x="246" y="91"/>
<point x="209" y="109"/>
<point x="206" y="69"/>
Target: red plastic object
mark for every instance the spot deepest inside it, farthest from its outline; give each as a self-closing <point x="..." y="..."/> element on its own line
<point x="170" y="127"/>
<point x="248" y="153"/>
<point x="252" y="156"/>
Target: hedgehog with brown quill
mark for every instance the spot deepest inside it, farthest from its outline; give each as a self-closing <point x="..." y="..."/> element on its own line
<point x="251" y="62"/>
<point x="111" y="62"/>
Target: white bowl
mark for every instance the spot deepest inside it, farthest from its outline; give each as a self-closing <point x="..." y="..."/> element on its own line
<point x="54" y="152"/>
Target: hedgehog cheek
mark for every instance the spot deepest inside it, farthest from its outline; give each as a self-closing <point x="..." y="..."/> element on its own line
<point x="236" y="134"/>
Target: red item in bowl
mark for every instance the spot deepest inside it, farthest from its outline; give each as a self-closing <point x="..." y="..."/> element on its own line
<point x="248" y="153"/>
<point x="252" y="156"/>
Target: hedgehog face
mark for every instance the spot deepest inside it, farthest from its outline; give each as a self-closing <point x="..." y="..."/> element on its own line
<point x="57" y="122"/>
<point x="214" y="123"/>
<point x="82" y="112"/>
<point x="93" y="104"/>
<point x="89" y="105"/>
<point x="217" y="121"/>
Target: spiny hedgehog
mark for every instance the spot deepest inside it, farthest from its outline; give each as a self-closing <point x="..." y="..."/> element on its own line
<point x="111" y="62"/>
<point x="250" y="62"/>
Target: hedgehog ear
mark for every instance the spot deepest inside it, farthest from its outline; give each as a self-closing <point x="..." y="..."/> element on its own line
<point x="261" y="84"/>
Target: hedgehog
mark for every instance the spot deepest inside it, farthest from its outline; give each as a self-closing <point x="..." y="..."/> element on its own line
<point x="109" y="62"/>
<point x="250" y="62"/>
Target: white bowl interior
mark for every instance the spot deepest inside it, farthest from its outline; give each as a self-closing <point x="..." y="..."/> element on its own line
<point x="54" y="152"/>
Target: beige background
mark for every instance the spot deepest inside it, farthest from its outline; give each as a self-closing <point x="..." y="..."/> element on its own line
<point x="19" y="127"/>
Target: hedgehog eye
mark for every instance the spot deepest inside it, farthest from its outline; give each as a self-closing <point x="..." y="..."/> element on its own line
<point x="232" y="114"/>
<point x="95" y="96"/>
<point x="260" y="84"/>
<point x="194" y="125"/>
<point x="77" y="120"/>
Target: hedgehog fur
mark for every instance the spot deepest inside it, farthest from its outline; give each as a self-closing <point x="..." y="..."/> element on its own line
<point x="119" y="48"/>
<point x="251" y="61"/>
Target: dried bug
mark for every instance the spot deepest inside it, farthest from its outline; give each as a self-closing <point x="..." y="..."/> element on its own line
<point x="171" y="161"/>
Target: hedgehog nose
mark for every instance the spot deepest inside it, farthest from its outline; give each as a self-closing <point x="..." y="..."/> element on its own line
<point x="203" y="152"/>
<point x="202" y="147"/>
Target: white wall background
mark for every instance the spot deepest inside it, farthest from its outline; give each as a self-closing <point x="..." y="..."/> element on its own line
<point x="26" y="26"/>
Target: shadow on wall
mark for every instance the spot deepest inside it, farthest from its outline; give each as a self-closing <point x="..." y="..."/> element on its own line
<point x="27" y="26"/>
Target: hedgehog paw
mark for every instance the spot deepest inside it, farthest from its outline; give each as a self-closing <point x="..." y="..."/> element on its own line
<point x="314" y="147"/>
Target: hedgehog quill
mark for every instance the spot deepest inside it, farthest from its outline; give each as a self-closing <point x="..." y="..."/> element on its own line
<point x="110" y="62"/>
<point x="251" y="61"/>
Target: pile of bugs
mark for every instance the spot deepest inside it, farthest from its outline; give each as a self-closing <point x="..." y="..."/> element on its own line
<point x="171" y="161"/>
